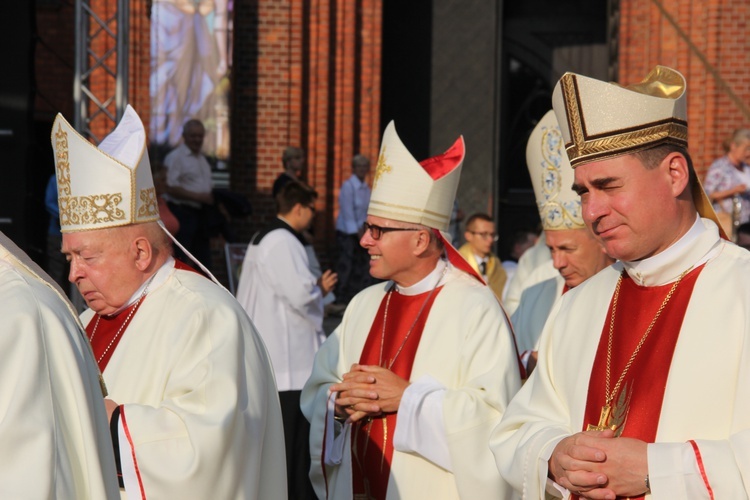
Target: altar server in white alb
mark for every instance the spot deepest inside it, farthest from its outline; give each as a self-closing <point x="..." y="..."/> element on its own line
<point x="405" y="392"/>
<point x="53" y="426"/>
<point x="192" y="400"/>
<point x="643" y="381"/>
<point x="285" y="301"/>
<point x="576" y="254"/>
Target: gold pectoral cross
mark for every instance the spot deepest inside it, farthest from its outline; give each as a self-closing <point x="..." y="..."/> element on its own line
<point x="604" y="418"/>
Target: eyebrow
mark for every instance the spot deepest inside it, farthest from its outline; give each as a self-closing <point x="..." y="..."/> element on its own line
<point x="596" y="183"/>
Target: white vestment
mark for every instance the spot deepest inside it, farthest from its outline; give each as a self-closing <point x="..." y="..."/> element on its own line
<point x="529" y="261"/>
<point x="200" y="415"/>
<point x="53" y="426"/>
<point x="281" y="296"/>
<point x="534" y="307"/>
<point x="707" y="397"/>
<point x="464" y="372"/>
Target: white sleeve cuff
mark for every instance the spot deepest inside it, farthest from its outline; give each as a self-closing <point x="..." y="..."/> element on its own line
<point x="420" y="425"/>
<point x="672" y="469"/>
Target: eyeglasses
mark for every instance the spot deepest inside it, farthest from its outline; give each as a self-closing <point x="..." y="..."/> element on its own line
<point x="311" y="207"/>
<point x="494" y="236"/>
<point x="376" y="231"/>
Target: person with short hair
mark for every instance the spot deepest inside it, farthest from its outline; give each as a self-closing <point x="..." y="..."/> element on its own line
<point x="352" y="262"/>
<point x="405" y="392"/>
<point x="576" y="254"/>
<point x="642" y="374"/>
<point x="480" y="235"/>
<point x="730" y="175"/>
<point x="293" y="160"/>
<point x="190" y="191"/>
<point x="192" y="405"/>
<point x="285" y="301"/>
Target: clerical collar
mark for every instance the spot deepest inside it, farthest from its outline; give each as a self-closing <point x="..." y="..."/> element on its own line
<point x="425" y="284"/>
<point x="695" y="247"/>
<point x="160" y="277"/>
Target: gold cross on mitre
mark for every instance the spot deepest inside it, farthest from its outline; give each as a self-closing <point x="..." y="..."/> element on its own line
<point x="381" y="168"/>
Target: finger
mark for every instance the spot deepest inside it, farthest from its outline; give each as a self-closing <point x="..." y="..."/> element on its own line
<point x="600" y="494"/>
<point x="359" y="377"/>
<point x="582" y="453"/>
<point x="576" y="480"/>
<point x="358" y="394"/>
<point x="358" y="415"/>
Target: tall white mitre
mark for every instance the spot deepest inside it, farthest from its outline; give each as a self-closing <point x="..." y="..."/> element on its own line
<point x="108" y="186"/>
<point x="406" y="190"/>
<point x="552" y="177"/>
<point x="601" y="120"/>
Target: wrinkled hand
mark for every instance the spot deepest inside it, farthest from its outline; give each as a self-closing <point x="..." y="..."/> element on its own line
<point x="368" y="391"/>
<point x="596" y="465"/>
<point x="327" y="281"/>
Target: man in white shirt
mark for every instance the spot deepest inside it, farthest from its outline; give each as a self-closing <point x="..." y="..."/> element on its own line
<point x="285" y="301"/>
<point x="189" y="188"/>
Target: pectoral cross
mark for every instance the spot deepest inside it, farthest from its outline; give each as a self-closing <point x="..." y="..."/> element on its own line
<point x="603" y="420"/>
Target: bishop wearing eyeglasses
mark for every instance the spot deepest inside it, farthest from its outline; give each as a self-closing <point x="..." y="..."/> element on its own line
<point x="404" y="394"/>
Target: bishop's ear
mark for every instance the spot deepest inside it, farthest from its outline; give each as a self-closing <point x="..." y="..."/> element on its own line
<point x="143" y="253"/>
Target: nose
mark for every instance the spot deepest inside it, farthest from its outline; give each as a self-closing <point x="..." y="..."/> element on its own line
<point x="559" y="260"/>
<point x="593" y="207"/>
<point x="366" y="240"/>
<point x="75" y="271"/>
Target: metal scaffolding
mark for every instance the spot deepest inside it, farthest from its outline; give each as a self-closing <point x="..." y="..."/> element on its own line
<point x="102" y="52"/>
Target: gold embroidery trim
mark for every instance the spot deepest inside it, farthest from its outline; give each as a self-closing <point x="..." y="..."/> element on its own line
<point x="556" y="213"/>
<point x="586" y="148"/>
<point x="149" y="205"/>
<point x="381" y="169"/>
<point x="81" y="210"/>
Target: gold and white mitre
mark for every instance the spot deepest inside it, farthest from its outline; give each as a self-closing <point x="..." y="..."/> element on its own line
<point x="108" y="186"/>
<point x="406" y="190"/>
<point x="601" y="120"/>
<point x="552" y="177"/>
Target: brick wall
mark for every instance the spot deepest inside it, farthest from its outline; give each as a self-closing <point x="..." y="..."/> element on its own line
<point x="54" y="61"/>
<point x="707" y="42"/>
<point x="307" y="74"/>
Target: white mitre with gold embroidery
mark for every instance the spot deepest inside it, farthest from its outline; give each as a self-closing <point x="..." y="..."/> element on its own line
<point x="552" y="177"/>
<point x="108" y="186"/>
<point x="601" y="120"/>
<point x="406" y="190"/>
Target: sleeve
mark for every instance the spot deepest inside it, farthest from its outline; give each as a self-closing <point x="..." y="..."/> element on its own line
<point x="713" y="180"/>
<point x="488" y="379"/>
<point x="314" y="402"/>
<point x="421" y="427"/>
<point x="174" y="171"/>
<point x="288" y="272"/>
<point x="346" y="206"/>
<point x="535" y="421"/>
<point x="28" y="424"/>
<point x="208" y="437"/>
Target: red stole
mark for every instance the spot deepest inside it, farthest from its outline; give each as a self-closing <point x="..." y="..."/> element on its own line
<point x="642" y="390"/>
<point x="372" y="441"/>
<point x="108" y="331"/>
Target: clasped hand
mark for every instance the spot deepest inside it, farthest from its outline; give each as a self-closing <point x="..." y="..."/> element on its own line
<point x="597" y="465"/>
<point x="368" y="391"/>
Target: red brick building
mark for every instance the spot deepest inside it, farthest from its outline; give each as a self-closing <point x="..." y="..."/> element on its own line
<point x="326" y="74"/>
